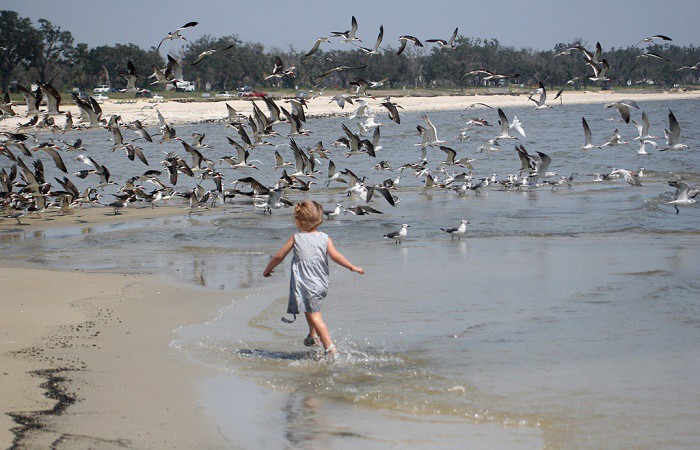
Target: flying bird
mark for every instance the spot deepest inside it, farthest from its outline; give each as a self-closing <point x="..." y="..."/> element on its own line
<point x="349" y="35"/>
<point x="206" y="53"/>
<point x="175" y="34"/>
<point x="450" y="44"/>
<point x="404" y="40"/>
<point x="656" y="36"/>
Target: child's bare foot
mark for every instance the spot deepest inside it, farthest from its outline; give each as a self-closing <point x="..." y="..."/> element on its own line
<point x="331" y="351"/>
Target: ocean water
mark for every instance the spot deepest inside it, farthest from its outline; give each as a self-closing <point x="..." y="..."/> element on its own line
<point x="566" y="318"/>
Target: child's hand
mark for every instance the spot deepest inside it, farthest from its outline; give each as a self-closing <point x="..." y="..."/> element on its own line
<point x="359" y="270"/>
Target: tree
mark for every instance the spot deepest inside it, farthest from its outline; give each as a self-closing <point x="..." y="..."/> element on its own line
<point x="20" y="44"/>
<point x="56" y="49"/>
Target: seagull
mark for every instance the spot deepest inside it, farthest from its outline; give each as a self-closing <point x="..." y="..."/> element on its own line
<point x="673" y="134"/>
<point x="393" y="111"/>
<point x="507" y="126"/>
<point x="431" y="132"/>
<point x="338" y="69"/>
<point x="684" y="195"/>
<point x="694" y="67"/>
<point x="450" y="159"/>
<point x="446" y="44"/>
<point x="349" y="35"/>
<point x="405" y="39"/>
<point x="600" y="70"/>
<point x="616" y="139"/>
<point x="175" y="34"/>
<point x="279" y="71"/>
<point x="543" y="98"/>
<point x="206" y="53"/>
<point x="458" y="231"/>
<point x="656" y="36"/>
<point x="375" y="50"/>
<point x="647" y="55"/>
<point x="623" y="107"/>
<point x="491" y="75"/>
<point x="643" y="146"/>
<point x="643" y="128"/>
<point x="630" y="177"/>
<point x="362" y="210"/>
<point x="397" y="236"/>
<point x="332" y="214"/>
<point x="587" y="137"/>
<point x="317" y="44"/>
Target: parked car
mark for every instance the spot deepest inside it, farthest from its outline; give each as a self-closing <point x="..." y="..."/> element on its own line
<point x="101" y="89"/>
<point x="225" y="94"/>
<point x="253" y="93"/>
<point x="99" y="98"/>
<point x="185" y="86"/>
<point x="158" y="98"/>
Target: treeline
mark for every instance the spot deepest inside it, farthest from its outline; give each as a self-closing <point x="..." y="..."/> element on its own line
<point x="45" y="52"/>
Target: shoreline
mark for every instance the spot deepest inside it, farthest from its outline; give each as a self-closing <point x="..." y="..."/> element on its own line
<point x="87" y="362"/>
<point x="179" y="113"/>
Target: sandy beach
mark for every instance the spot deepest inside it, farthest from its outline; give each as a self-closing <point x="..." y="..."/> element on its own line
<point x="98" y="344"/>
<point x="177" y="112"/>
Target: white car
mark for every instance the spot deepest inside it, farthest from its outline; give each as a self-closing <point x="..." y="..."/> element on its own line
<point x="225" y="94"/>
<point x="103" y="88"/>
<point x="99" y="98"/>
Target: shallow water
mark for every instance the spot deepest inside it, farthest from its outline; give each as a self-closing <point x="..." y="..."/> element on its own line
<point x="565" y="318"/>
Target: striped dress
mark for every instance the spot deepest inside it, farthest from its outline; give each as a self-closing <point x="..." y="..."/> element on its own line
<point x="308" y="284"/>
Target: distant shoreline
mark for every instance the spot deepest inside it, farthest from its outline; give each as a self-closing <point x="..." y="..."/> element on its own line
<point x="178" y="112"/>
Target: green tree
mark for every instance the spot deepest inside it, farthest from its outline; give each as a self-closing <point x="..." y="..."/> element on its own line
<point x="55" y="52"/>
<point x="20" y="43"/>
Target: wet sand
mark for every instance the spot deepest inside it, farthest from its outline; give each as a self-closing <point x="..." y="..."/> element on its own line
<point x="102" y="341"/>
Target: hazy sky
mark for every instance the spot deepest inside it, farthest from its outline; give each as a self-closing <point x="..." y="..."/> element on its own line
<point x="539" y="25"/>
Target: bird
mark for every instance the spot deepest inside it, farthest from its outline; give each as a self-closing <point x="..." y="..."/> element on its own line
<point x="587" y="137"/>
<point x="130" y="75"/>
<point x="315" y="47"/>
<point x="656" y="36"/>
<point x="398" y="236"/>
<point x="693" y="67"/>
<point x="506" y="126"/>
<point x="457" y="231"/>
<point x="629" y="176"/>
<point x="684" y="195"/>
<point x="279" y="71"/>
<point x="600" y="70"/>
<point x="491" y="76"/>
<point x="362" y="210"/>
<point x="647" y="55"/>
<point x="643" y="128"/>
<point x="431" y="132"/>
<point x="375" y="50"/>
<point x="615" y="139"/>
<point x="338" y="69"/>
<point x="349" y="35"/>
<point x="119" y="204"/>
<point x="175" y="34"/>
<point x="333" y="213"/>
<point x="449" y="44"/>
<point x="543" y="98"/>
<point x="404" y="40"/>
<point x="673" y="134"/>
<point x="393" y="111"/>
<point x="210" y="52"/>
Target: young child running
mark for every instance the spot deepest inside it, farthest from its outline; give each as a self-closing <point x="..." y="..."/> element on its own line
<point x="308" y="284"/>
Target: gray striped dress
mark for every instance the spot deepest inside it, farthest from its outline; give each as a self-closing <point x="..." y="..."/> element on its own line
<point x="308" y="284"/>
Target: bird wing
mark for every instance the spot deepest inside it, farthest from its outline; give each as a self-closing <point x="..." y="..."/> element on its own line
<point x="674" y="134"/>
<point x="503" y="120"/>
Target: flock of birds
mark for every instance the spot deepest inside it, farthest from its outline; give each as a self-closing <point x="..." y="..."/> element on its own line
<point x="25" y="188"/>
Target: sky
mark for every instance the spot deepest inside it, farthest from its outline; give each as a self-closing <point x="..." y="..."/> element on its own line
<point x="281" y="24"/>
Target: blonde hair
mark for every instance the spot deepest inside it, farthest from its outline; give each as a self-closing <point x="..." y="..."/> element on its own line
<point x="308" y="215"/>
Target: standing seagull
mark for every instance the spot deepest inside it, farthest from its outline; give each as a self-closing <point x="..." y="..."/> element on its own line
<point x="397" y="236"/>
<point x="175" y="34"/>
<point x="458" y="231"/>
<point x="673" y="134"/>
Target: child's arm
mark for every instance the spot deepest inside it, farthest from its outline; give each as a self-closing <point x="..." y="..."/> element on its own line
<point x="340" y="259"/>
<point x="279" y="256"/>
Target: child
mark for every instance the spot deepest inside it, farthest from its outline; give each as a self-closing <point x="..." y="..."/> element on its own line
<point x="309" y="279"/>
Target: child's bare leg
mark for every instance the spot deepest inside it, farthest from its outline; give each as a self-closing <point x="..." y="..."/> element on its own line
<point x="319" y="326"/>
